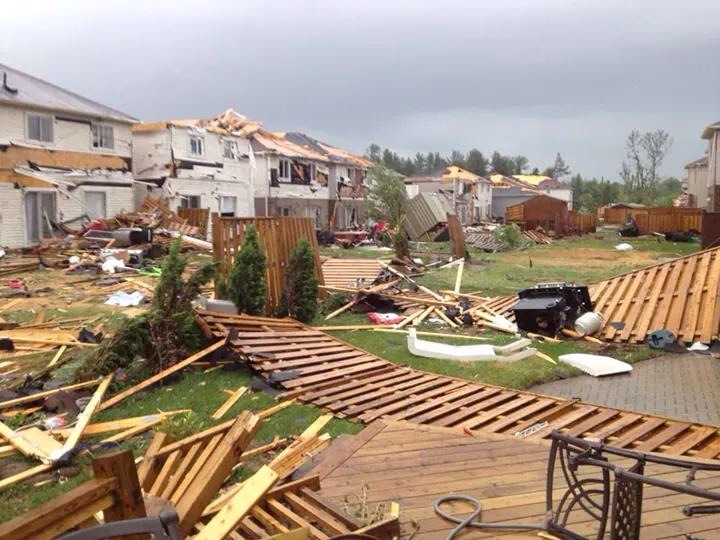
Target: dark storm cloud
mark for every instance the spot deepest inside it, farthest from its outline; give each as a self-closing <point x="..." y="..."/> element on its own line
<point x="533" y="77"/>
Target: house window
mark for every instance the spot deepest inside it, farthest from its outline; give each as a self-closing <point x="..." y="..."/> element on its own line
<point x="197" y="146"/>
<point x="95" y="204"/>
<point x="103" y="136"/>
<point x="313" y="213"/>
<point x="284" y="211"/>
<point x="40" y="127"/>
<point x="312" y="170"/>
<point x="228" y="206"/>
<point x="189" y="201"/>
<point x="230" y="150"/>
<point x="274" y="177"/>
<point x="284" y="167"/>
<point x="40" y="212"/>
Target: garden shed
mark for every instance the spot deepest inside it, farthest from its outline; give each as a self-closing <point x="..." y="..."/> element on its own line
<point x="540" y="211"/>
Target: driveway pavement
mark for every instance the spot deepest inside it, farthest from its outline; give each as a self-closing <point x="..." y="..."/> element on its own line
<point x="683" y="386"/>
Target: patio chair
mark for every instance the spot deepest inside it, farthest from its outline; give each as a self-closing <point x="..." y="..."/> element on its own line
<point x="162" y="527"/>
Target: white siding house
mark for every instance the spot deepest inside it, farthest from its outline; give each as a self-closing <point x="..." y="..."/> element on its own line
<point x="712" y="135"/>
<point x="196" y="164"/>
<point x="63" y="159"/>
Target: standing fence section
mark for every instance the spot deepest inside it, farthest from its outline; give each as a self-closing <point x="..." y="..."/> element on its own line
<point x="580" y="223"/>
<point x="278" y="236"/>
<point x="669" y="219"/>
<point x="197" y="217"/>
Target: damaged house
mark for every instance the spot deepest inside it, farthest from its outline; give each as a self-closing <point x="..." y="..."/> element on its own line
<point x="64" y="159"/>
<point x="199" y="163"/>
<point x="468" y="193"/>
<point x="300" y="176"/>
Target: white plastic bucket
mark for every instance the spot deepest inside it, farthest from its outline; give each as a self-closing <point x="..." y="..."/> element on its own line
<point x="589" y="323"/>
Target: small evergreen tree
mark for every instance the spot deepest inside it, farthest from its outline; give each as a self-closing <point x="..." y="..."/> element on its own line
<point x="299" y="299"/>
<point x="246" y="286"/>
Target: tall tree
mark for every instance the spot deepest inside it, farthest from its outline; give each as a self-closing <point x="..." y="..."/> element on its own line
<point x="387" y="198"/>
<point x="560" y="168"/>
<point x="476" y="162"/>
<point x="520" y="163"/>
<point x="645" y="153"/>
<point x="458" y="158"/>
<point x="374" y="152"/>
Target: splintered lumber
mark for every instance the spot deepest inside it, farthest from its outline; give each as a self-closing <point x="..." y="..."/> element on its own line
<point x="57" y="356"/>
<point x="225" y="407"/>
<point x="458" y="278"/>
<point x="85" y="416"/>
<point x="121" y="424"/>
<point x="424" y="289"/>
<point x="27" y="442"/>
<point x="232" y="513"/>
<point x="117" y="398"/>
<point x="189" y="472"/>
<point x="42" y="395"/>
<point x="131" y="432"/>
<point x="24" y="475"/>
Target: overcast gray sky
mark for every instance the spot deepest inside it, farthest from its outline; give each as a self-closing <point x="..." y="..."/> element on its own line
<point x="518" y="76"/>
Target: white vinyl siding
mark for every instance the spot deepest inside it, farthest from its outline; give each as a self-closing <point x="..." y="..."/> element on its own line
<point x="40" y="127"/>
<point x="103" y="136"/>
<point x="96" y="204"/>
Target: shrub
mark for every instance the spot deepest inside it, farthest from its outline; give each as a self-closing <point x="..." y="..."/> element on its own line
<point x="401" y="244"/>
<point x="509" y="234"/>
<point x="162" y="336"/>
<point x="299" y="298"/>
<point x="246" y="285"/>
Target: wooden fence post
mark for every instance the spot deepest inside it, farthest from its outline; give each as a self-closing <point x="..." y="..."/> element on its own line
<point x="129" y="502"/>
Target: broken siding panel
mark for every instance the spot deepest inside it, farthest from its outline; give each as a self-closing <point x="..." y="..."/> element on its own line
<point x="152" y="154"/>
<point x="209" y="191"/>
<point x="71" y="136"/>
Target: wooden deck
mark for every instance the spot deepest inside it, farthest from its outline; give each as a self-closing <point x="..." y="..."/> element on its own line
<point x="352" y="383"/>
<point x="413" y="465"/>
<point x="350" y="272"/>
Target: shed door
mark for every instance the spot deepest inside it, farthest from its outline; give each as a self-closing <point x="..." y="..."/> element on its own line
<point x="95" y="204"/>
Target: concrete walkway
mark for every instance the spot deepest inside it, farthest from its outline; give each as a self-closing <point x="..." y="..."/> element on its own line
<point x="683" y="386"/>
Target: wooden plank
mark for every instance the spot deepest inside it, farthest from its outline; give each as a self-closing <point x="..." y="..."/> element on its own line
<point x="238" y="507"/>
<point x="160" y="376"/>
<point x="225" y="407"/>
<point x="84" y="418"/>
<point x="42" y="395"/>
<point x="296" y="520"/>
<point x="637" y="432"/>
<point x="661" y="437"/>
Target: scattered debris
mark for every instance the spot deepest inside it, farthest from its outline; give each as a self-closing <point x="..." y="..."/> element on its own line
<point x="469" y="353"/>
<point x="595" y="365"/>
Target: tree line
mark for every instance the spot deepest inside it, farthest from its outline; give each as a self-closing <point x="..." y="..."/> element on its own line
<point x="434" y="163"/>
<point x="639" y="178"/>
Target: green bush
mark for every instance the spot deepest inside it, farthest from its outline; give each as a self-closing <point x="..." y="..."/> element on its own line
<point x="509" y="234"/>
<point x="299" y="298"/>
<point x="246" y="285"/>
<point x="401" y="243"/>
<point x="162" y="336"/>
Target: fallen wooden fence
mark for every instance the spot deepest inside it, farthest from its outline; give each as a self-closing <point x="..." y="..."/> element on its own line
<point x="278" y="236"/>
<point x="114" y="491"/>
<point x="352" y="383"/>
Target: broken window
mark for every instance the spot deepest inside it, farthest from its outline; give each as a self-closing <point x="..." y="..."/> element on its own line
<point x="284" y="168"/>
<point x="103" y="136"/>
<point x="189" y="201"/>
<point x="40" y="127"/>
<point x="197" y="146"/>
<point x="230" y="150"/>
<point x="274" y="177"/>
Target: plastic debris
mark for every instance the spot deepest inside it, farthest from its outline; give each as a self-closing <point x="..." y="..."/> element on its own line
<point x="623" y="247"/>
<point x="112" y="264"/>
<point x="123" y="299"/>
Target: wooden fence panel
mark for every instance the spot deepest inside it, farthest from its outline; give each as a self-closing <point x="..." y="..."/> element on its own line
<point x="582" y="223"/>
<point x="277" y="235"/>
<point x="197" y="217"/>
<point x="619" y="216"/>
<point x="669" y="220"/>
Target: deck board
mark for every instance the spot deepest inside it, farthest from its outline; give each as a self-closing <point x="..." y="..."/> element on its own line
<point x="413" y="465"/>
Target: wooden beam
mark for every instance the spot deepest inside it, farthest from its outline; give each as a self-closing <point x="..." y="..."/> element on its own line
<point x="86" y="415"/>
<point x="128" y="498"/>
<point x="225" y="407"/>
<point x="47" y="393"/>
<point x="160" y="376"/>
